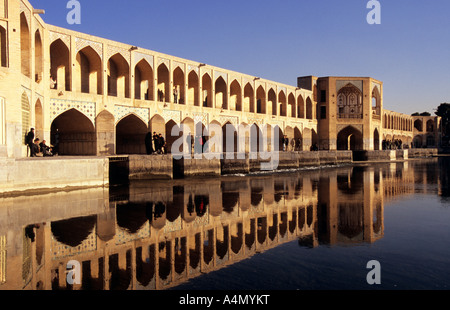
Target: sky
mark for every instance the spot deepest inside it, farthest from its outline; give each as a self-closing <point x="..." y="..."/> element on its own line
<point x="409" y="51"/>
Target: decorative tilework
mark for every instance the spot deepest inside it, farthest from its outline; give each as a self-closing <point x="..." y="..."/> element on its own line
<point x="56" y="35"/>
<point x="234" y="120"/>
<point x="112" y="50"/>
<point x="201" y="118"/>
<point x="246" y="81"/>
<point x="201" y="221"/>
<point x="193" y="68"/>
<point x="173" y="226"/>
<point x="123" y="236"/>
<point x="122" y="111"/>
<point x="60" y="250"/>
<point x="221" y="74"/>
<point x="176" y="64"/>
<point x="139" y="56"/>
<point x="172" y="115"/>
<point x="257" y="121"/>
<point x="82" y="43"/>
<point x="339" y="127"/>
<point x="164" y="61"/>
<point x="59" y="106"/>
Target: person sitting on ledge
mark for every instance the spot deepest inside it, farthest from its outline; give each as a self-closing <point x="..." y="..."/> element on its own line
<point x="52" y="82"/>
<point x="45" y="149"/>
<point x="34" y="149"/>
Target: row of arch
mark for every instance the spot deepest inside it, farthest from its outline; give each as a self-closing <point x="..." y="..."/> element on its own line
<point x="430" y="125"/>
<point x="150" y="84"/>
<point x="78" y="135"/>
<point x="26" y="50"/>
<point x="198" y="252"/>
<point x="397" y="122"/>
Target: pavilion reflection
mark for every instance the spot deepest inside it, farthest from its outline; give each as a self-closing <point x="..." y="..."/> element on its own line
<point x="160" y="234"/>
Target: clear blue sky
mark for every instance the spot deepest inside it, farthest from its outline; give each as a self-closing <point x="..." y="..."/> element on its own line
<point x="281" y="40"/>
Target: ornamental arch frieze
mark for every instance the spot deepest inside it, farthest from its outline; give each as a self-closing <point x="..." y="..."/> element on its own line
<point x="120" y="112"/>
<point x="59" y="106"/>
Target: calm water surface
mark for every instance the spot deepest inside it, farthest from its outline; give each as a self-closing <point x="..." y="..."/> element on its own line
<point x="309" y="229"/>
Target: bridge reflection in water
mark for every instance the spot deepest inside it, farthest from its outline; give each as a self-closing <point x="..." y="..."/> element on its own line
<point x="156" y="235"/>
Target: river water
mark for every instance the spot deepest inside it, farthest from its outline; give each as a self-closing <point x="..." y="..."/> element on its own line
<point x="311" y="229"/>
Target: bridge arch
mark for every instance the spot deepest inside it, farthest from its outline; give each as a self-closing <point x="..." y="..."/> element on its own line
<point x="235" y="96"/>
<point x="25" y="46"/>
<point x="221" y="93"/>
<point x="193" y="88"/>
<point x="130" y="135"/>
<point x="376" y="140"/>
<point x="143" y="80"/>
<point x="207" y="91"/>
<point x="261" y="106"/>
<point x="291" y="106"/>
<point x="249" y="98"/>
<point x="230" y="138"/>
<point x="38" y="57"/>
<point x="88" y="71"/>
<point x="178" y="83"/>
<point x="282" y="103"/>
<point x="118" y="76"/>
<point x="272" y="98"/>
<point x="73" y="133"/>
<point x="350" y="138"/>
<point x="59" y="65"/>
<point x="418" y="125"/>
<point x="300" y="107"/>
<point x="309" y="108"/>
<point x="298" y="139"/>
<point x="3" y="48"/>
<point x="163" y="79"/>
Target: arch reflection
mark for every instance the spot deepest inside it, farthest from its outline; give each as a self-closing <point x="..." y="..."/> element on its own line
<point x="157" y="235"/>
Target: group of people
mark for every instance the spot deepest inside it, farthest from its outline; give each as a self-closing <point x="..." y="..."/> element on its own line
<point x="175" y="95"/>
<point x="37" y="147"/>
<point x="155" y="143"/>
<point x="392" y="145"/>
<point x="295" y="144"/>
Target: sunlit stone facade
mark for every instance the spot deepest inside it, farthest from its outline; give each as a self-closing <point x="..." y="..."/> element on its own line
<point x="107" y="95"/>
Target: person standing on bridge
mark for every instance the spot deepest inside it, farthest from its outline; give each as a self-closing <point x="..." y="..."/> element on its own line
<point x="162" y="144"/>
<point x="175" y="94"/>
<point x="29" y="139"/>
<point x="148" y="143"/>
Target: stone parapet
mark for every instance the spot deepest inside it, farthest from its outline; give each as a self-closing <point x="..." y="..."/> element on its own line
<point x="150" y="167"/>
<point x="416" y="153"/>
<point x="30" y="175"/>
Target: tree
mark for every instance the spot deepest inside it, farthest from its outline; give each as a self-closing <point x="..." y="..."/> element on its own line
<point x="443" y="111"/>
<point x="421" y="114"/>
